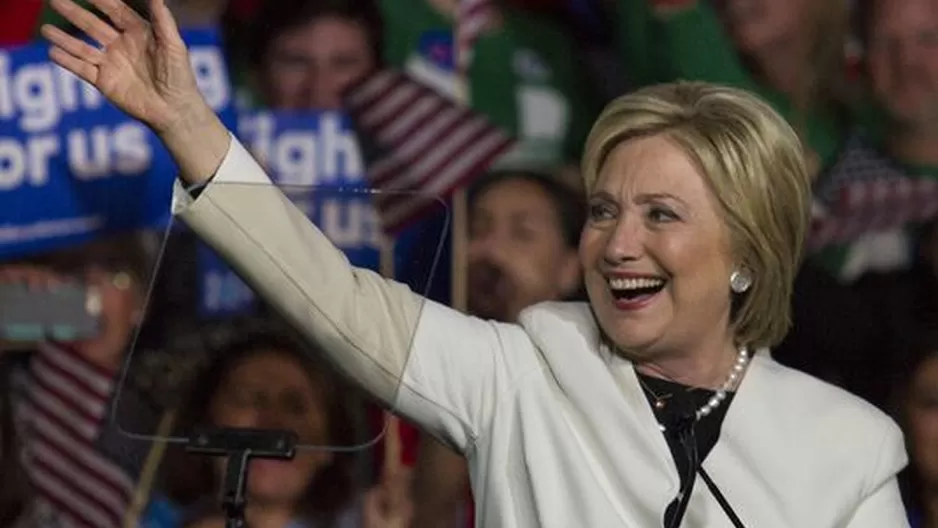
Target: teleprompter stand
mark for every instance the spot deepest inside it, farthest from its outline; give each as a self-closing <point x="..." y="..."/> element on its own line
<point x="240" y="446"/>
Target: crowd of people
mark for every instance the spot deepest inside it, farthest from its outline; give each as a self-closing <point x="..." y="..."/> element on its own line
<point x="858" y="81"/>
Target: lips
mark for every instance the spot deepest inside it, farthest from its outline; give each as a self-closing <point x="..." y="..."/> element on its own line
<point x="490" y="290"/>
<point x="633" y="292"/>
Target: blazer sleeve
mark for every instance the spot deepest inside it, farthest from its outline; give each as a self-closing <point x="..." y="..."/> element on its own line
<point x="432" y="364"/>
<point x="882" y="504"/>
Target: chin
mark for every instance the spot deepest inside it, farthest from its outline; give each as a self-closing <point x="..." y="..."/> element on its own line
<point x="752" y="39"/>
<point x="635" y="337"/>
<point x="274" y="479"/>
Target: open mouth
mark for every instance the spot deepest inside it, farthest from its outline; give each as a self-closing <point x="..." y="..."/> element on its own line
<point x="490" y="290"/>
<point x="635" y="289"/>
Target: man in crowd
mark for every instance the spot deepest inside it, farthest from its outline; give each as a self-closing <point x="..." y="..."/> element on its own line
<point x="524" y="229"/>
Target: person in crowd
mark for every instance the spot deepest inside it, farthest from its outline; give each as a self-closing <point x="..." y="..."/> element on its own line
<point x="902" y="71"/>
<point x="303" y="55"/>
<point x="699" y="201"/>
<point x="268" y="381"/>
<point x="525" y="75"/>
<point x="58" y="397"/>
<point x="791" y="52"/>
<point x="840" y="334"/>
<point x="524" y="228"/>
<point x="918" y="401"/>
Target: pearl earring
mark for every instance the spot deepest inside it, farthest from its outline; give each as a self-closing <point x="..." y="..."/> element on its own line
<point x="740" y="281"/>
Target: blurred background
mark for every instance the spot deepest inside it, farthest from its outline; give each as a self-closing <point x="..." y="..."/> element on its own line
<point x="477" y="110"/>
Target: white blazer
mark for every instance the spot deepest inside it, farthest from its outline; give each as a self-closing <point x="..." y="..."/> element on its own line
<point x="556" y="429"/>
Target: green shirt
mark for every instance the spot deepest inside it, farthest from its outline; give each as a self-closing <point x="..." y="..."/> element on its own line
<point x="525" y="77"/>
<point x="692" y="44"/>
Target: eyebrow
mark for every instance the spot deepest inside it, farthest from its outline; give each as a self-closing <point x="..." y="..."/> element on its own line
<point x="642" y="198"/>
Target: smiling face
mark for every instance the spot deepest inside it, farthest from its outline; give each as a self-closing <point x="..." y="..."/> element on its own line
<point x="517" y="253"/>
<point x="309" y="67"/>
<point x="656" y="252"/>
<point x="271" y="390"/>
<point x="903" y="60"/>
<point x="758" y="24"/>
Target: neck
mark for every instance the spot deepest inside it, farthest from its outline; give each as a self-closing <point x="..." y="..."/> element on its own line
<point x="917" y="147"/>
<point x="707" y="370"/>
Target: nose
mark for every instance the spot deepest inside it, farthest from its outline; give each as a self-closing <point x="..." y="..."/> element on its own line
<point x="323" y="92"/>
<point x="270" y="417"/>
<point x="486" y="245"/>
<point x="905" y="57"/>
<point x="625" y="242"/>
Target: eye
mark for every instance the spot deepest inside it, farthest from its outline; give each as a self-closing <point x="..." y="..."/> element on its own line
<point x="660" y="214"/>
<point x="523" y="233"/>
<point x="599" y="212"/>
<point x="240" y="398"/>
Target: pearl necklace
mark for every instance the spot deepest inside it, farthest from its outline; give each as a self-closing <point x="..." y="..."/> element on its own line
<point x="742" y="359"/>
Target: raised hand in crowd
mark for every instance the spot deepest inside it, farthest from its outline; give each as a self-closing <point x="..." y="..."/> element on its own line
<point x="389" y="504"/>
<point x="143" y="68"/>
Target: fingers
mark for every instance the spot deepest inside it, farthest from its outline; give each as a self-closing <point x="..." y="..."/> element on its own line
<point x="164" y="25"/>
<point x="73" y="46"/>
<point x="121" y="15"/>
<point x="392" y="446"/>
<point x="84" y="70"/>
<point x="86" y="21"/>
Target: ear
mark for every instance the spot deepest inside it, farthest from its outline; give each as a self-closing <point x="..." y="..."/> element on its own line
<point x="570" y="274"/>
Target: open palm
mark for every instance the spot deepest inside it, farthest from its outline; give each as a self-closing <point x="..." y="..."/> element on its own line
<point x="142" y="68"/>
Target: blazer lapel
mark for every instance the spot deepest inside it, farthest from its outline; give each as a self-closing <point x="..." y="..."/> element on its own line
<point x="607" y="411"/>
<point x="744" y="440"/>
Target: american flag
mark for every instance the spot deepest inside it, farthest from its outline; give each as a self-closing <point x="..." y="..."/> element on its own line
<point x="472" y="17"/>
<point x="420" y="146"/>
<point x="61" y="418"/>
<point x="865" y="193"/>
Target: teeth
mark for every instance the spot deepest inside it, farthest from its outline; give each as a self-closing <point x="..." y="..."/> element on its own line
<point x="634" y="284"/>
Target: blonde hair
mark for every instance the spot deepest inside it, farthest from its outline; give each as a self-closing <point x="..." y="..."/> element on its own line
<point x="753" y="163"/>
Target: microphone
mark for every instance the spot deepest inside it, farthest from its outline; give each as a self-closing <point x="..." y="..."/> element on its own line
<point x="679" y="417"/>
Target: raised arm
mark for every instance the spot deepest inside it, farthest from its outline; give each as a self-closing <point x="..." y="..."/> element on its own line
<point x="366" y="325"/>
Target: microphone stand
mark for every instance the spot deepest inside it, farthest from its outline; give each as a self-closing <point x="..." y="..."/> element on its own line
<point x="240" y="446"/>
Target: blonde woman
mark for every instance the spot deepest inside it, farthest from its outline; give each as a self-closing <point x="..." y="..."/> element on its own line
<point x="656" y="403"/>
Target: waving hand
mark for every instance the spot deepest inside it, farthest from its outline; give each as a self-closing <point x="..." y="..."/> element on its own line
<point x="144" y="69"/>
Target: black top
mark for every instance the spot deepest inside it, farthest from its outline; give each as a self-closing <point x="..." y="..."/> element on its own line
<point x="690" y="441"/>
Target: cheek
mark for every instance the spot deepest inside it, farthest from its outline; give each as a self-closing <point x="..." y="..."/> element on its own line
<point x="590" y="250"/>
<point x="879" y="71"/>
<point x="342" y="77"/>
<point x="925" y="430"/>
<point x="286" y="86"/>
<point x="232" y="416"/>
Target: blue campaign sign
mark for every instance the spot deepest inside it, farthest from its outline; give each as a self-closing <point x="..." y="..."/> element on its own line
<point x="74" y="167"/>
<point x="314" y="157"/>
